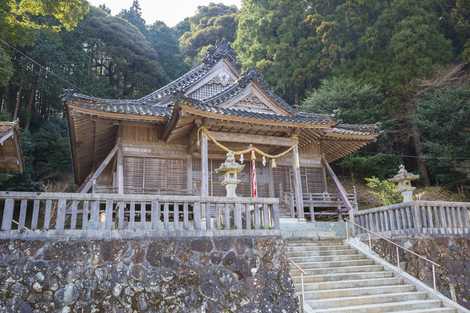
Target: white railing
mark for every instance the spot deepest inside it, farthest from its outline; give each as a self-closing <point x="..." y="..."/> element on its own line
<point x="314" y="201"/>
<point x="37" y="214"/>
<point x="424" y="217"/>
<point x="302" y="286"/>
<point x="397" y="247"/>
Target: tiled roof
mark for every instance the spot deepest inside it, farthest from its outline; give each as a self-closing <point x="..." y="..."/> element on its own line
<point x="5" y="127"/>
<point x="300" y="117"/>
<point x="356" y="128"/>
<point x="160" y="103"/>
<point x="125" y="107"/>
<point x="250" y="76"/>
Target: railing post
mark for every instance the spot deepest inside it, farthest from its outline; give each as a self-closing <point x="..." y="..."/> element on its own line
<point x="275" y="215"/>
<point x="60" y="220"/>
<point x="434" y="276"/>
<point x="7" y="214"/>
<point x="398" y="257"/>
<point x="417" y="217"/>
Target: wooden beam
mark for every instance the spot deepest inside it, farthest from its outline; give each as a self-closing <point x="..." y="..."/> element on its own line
<point x="90" y="181"/>
<point x="6" y="136"/>
<point x="253" y="139"/>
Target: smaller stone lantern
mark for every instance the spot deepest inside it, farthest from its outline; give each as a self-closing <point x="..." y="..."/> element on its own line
<point x="230" y="169"/>
<point x="403" y="180"/>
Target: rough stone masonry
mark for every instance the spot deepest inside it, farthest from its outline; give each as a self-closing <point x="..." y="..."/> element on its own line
<point x="451" y="252"/>
<point x="163" y="275"/>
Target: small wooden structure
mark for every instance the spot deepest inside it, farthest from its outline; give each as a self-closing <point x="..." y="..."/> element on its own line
<point x="153" y="145"/>
<point x="11" y="157"/>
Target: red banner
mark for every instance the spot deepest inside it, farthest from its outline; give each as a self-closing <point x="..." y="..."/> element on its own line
<point x="254" y="191"/>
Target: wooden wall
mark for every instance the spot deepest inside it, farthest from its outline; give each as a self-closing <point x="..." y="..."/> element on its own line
<point x="154" y="166"/>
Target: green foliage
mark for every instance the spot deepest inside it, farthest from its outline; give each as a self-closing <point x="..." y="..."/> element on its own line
<point x="134" y="16"/>
<point x="165" y="41"/>
<point x="459" y="26"/>
<point x="124" y="61"/>
<point x="275" y="37"/>
<point x="350" y="100"/>
<point x="6" y="68"/>
<point x="209" y="25"/>
<point x="298" y="43"/>
<point x="46" y="155"/>
<point x="386" y="191"/>
<point x="51" y="151"/>
<point x="443" y="116"/>
<point x="19" y="17"/>
<point x="379" y="165"/>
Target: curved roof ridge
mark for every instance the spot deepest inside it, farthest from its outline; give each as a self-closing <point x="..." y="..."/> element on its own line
<point x="370" y="128"/>
<point x="241" y="83"/>
<point x="222" y="50"/>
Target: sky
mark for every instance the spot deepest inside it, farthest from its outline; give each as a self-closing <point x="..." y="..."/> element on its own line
<point x="169" y="11"/>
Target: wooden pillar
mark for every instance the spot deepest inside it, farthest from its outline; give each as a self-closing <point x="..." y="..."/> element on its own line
<point x="271" y="181"/>
<point x="297" y="182"/>
<point x="120" y="171"/>
<point x="204" y="166"/>
<point x="189" y="174"/>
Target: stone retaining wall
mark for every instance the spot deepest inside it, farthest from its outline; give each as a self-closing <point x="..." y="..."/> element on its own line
<point x="452" y="252"/>
<point x="165" y="275"/>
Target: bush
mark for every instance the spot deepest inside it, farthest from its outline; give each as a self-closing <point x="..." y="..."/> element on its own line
<point x="384" y="190"/>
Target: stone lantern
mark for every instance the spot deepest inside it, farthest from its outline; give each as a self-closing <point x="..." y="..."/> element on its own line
<point x="230" y="170"/>
<point x="403" y="180"/>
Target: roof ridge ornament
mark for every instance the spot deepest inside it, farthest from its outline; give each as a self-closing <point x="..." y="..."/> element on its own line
<point x="222" y="49"/>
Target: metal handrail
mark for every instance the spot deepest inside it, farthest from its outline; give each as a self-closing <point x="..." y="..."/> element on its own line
<point x="397" y="246"/>
<point x="302" y="272"/>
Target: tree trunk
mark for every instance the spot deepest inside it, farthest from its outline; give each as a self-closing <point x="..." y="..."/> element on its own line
<point x="29" y="108"/>
<point x="18" y="104"/>
<point x="420" y="159"/>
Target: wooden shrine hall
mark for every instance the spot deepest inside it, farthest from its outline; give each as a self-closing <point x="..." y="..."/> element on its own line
<point x="11" y="156"/>
<point x="171" y="141"/>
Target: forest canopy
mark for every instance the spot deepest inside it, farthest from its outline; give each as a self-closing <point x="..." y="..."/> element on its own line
<point x="402" y="64"/>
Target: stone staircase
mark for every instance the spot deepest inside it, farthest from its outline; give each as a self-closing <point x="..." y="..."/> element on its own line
<point x="340" y="279"/>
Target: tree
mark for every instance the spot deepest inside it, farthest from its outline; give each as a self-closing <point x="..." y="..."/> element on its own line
<point x="275" y="37"/>
<point x="442" y="116"/>
<point x="164" y="40"/>
<point x="209" y="25"/>
<point x="120" y="54"/>
<point x="20" y="21"/>
<point x="6" y="67"/>
<point x="134" y="16"/>
<point x="347" y="98"/>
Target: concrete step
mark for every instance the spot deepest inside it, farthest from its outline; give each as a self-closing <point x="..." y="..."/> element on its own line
<point x="424" y="305"/>
<point x="337" y="270"/>
<point x="436" y="310"/>
<point x="358" y="283"/>
<point x="318" y="248"/>
<point x="352" y="292"/>
<point x="334" y="264"/>
<point x="365" y="300"/>
<point x="294" y="242"/>
<point x="341" y="276"/>
<point x="322" y="252"/>
<point x="328" y="258"/>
